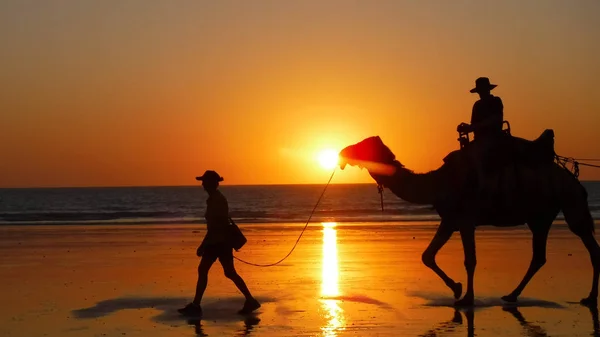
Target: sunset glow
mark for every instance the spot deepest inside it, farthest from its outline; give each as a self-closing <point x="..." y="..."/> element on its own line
<point x="96" y="94"/>
<point x="328" y="159"/>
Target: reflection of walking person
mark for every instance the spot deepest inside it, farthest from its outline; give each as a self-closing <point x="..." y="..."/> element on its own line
<point x="216" y="245"/>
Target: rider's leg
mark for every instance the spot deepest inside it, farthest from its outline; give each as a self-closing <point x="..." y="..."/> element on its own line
<point x="477" y="155"/>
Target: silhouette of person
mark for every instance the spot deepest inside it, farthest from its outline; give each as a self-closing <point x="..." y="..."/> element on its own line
<point x="486" y="124"/>
<point x="216" y="246"/>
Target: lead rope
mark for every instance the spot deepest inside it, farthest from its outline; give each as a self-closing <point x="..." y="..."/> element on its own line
<point x="380" y="190"/>
<point x="301" y="233"/>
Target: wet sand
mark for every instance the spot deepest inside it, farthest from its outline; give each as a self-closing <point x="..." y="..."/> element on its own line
<point x="342" y="280"/>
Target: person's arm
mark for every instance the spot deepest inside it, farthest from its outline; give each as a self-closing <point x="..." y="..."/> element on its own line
<point x="464" y="127"/>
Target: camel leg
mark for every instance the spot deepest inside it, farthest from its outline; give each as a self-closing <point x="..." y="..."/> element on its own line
<point x="594" y="250"/>
<point x="578" y="217"/>
<point x="580" y="222"/>
<point x="540" y="237"/>
<point x="467" y="234"/>
<point x="443" y="234"/>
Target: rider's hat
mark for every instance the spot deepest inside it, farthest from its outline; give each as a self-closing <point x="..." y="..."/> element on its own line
<point x="211" y="176"/>
<point x="483" y="84"/>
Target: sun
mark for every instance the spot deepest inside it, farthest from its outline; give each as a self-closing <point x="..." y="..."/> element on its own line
<point x="328" y="158"/>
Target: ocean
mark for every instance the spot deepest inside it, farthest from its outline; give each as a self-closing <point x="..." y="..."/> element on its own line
<point x="186" y="204"/>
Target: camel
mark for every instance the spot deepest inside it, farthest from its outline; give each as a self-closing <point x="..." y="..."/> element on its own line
<point x="533" y="190"/>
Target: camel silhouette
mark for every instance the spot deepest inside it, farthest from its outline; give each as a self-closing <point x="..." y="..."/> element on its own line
<point x="532" y="192"/>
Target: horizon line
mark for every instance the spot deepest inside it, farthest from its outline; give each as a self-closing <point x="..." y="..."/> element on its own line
<point x="198" y="185"/>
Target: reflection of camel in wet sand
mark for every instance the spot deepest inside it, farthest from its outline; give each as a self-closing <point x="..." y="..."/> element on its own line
<point x="542" y="193"/>
<point x="529" y="329"/>
<point x="595" y="321"/>
<point x="445" y="327"/>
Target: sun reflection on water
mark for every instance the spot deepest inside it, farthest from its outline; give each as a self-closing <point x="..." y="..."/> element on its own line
<point x="330" y="282"/>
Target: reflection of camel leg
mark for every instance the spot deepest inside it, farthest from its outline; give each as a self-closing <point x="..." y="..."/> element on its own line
<point x="540" y="237"/>
<point x="467" y="233"/>
<point x="443" y="234"/>
<point x="531" y="330"/>
<point x="445" y="327"/>
<point x="470" y="315"/>
<point x="595" y="322"/>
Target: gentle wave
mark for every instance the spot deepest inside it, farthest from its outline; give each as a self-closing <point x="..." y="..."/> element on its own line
<point x="186" y="205"/>
<point x="83" y="216"/>
<point x="145" y="218"/>
<point x="86" y="220"/>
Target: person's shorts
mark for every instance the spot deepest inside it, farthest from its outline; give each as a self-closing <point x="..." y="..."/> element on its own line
<point x="223" y="253"/>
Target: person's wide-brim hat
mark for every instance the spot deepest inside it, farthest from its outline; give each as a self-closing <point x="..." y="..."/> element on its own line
<point x="210" y="176"/>
<point x="483" y="84"/>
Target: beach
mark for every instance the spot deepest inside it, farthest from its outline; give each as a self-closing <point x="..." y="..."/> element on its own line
<point x="342" y="280"/>
<point x="131" y="126"/>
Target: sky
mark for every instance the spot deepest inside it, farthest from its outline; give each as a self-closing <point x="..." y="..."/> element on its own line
<point x="147" y="92"/>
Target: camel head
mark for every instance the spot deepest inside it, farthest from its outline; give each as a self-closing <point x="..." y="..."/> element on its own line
<point x="371" y="154"/>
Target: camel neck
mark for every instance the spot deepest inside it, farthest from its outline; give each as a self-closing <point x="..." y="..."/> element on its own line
<point x="418" y="188"/>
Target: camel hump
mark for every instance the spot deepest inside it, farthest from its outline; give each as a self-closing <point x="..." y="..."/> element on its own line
<point x="455" y="157"/>
<point x="538" y="151"/>
<point x="545" y="142"/>
<point x="546" y="136"/>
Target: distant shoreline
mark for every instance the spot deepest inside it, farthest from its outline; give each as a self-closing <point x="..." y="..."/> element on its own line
<point x="408" y="223"/>
<point x="195" y="186"/>
<point x="177" y="186"/>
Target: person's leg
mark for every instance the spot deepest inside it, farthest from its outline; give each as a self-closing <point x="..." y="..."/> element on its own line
<point x="203" y="268"/>
<point x="226" y="259"/>
<point x="194" y="308"/>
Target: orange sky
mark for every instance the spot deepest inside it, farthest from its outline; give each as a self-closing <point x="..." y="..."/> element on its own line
<point x="111" y="93"/>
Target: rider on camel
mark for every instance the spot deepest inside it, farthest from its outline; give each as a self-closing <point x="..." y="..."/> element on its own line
<point x="486" y="124"/>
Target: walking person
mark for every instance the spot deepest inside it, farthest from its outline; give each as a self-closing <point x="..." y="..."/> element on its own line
<point x="216" y="245"/>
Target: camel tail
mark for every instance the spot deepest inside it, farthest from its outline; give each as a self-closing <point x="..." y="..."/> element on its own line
<point x="576" y="209"/>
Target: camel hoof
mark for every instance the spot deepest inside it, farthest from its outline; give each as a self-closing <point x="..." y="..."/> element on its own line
<point x="457" y="289"/>
<point x="589" y="302"/>
<point x="465" y="302"/>
<point x="509" y="298"/>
